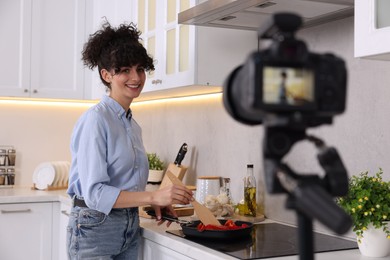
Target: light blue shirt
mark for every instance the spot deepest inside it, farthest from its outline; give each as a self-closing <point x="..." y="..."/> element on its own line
<point x="107" y="156"/>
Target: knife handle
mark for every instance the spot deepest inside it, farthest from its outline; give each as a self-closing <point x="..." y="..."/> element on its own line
<point x="180" y="155"/>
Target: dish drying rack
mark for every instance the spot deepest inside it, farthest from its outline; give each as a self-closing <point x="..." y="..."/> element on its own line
<point x="49" y="176"/>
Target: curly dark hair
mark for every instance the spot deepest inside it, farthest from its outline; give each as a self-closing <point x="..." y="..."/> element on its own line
<point x="113" y="48"/>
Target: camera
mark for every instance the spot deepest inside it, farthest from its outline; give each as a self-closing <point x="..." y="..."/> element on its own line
<point x="286" y="85"/>
<point x="288" y="89"/>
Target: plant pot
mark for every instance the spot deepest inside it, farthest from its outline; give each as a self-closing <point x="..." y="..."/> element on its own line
<point x="374" y="243"/>
<point x="155" y="176"/>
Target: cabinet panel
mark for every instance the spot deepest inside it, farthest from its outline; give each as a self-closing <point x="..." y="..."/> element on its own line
<point x="97" y="12"/>
<point x="58" y="32"/>
<point x="187" y="55"/>
<point x="152" y="251"/>
<point x="27" y="226"/>
<point x="15" y="28"/>
<point x="372" y="29"/>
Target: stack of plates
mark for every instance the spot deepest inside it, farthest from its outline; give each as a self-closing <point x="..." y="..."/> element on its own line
<point x="53" y="174"/>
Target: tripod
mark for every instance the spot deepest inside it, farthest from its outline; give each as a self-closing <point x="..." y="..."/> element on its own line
<point x="309" y="195"/>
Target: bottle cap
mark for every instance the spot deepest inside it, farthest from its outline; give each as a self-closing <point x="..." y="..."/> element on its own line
<point x="249" y="165"/>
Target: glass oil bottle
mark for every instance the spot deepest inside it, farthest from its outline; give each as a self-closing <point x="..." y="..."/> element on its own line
<point x="250" y="206"/>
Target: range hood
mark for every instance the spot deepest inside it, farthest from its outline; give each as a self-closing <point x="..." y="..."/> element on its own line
<point x="250" y="14"/>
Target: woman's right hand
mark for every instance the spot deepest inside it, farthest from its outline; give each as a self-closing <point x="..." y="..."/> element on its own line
<point x="172" y="194"/>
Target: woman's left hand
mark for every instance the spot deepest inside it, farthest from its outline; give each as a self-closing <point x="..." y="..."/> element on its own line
<point x="167" y="210"/>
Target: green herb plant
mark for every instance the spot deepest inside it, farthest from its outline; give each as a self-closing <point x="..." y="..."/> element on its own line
<point x="367" y="202"/>
<point x="155" y="163"/>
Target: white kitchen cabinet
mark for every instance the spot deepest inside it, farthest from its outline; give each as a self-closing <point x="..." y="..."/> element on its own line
<point x="115" y="12"/>
<point x="42" y="48"/>
<point x="64" y="219"/>
<point x="372" y="29"/>
<point x="26" y="231"/>
<point x="15" y="43"/>
<point x="186" y="55"/>
<point x="152" y="250"/>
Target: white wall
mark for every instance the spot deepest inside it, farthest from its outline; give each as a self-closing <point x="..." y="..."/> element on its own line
<point x="218" y="144"/>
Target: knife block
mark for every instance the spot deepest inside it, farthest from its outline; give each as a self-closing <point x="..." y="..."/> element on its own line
<point x="178" y="171"/>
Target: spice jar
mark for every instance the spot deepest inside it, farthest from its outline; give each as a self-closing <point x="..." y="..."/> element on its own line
<point x="11" y="157"/>
<point x="10" y="176"/>
<point x="2" y="176"/>
<point x="3" y="157"/>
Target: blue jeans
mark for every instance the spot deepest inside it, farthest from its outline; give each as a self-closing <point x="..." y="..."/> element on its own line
<point x="94" y="235"/>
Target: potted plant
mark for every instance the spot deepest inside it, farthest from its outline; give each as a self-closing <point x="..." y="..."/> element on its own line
<point x="368" y="203"/>
<point x="156" y="168"/>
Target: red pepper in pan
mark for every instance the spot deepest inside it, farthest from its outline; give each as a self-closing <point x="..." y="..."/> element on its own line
<point x="229" y="225"/>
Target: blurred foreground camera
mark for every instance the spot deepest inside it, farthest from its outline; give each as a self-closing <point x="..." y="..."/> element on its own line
<point x="288" y="89"/>
<point x="286" y="85"/>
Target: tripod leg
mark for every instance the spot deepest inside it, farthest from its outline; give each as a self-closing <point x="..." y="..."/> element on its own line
<point x="305" y="237"/>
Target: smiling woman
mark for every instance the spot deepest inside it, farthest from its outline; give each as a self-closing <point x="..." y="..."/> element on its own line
<point x="109" y="168"/>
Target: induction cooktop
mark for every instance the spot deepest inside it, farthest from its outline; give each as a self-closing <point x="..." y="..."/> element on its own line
<point x="271" y="240"/>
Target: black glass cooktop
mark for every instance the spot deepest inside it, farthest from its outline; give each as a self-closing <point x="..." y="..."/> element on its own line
<point x="271" y="240"/>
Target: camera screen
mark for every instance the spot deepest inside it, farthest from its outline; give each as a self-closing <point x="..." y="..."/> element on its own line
<point x="288" y="86"/>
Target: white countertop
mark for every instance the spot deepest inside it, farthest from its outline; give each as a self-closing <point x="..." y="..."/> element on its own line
<point x="155" y="233"/>
<point x="18" y="194"/>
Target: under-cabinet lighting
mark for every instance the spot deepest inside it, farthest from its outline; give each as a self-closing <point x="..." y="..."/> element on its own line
<point x="89" y="103"/>
<point x="48" y="102"/>
<point x="178" y="99"/>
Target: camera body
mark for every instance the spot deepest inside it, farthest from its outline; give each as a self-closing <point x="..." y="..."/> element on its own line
<point x="286" y="85"/>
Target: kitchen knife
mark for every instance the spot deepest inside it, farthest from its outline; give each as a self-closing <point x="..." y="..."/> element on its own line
<point x="180" y="155"/>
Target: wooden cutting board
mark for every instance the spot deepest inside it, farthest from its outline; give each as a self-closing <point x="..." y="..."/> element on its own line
<point x="203" y="213"/>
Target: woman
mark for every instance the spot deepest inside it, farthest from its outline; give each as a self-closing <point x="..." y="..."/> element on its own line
<point x="109" y="167"/>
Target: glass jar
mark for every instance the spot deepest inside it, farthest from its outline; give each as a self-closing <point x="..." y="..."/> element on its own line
<point x="2" y="176"/>
<point x="10" y="176"/>
<point x="11" y="157"/>
<point x="3" y="157"/>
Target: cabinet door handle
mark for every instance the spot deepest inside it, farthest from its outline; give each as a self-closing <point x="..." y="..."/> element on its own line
<point x="157" y="81"/>
<point x="65" y="213"/>
<point x="15" y="211"/>
<point x="35" y="91"/>
<point x="25" y="90"/>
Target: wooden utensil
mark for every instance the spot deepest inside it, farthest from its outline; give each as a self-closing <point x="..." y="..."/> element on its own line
<point x="203" y="212"/>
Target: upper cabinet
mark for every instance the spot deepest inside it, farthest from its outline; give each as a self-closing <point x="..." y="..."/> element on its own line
<point x="187" y="55"/>
<point x="41" y="50"/>
<point x="372" y="29"/>
<point x="98" y="12"/>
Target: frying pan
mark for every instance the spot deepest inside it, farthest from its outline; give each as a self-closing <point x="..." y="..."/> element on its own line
<point x="192" y="231"/>
<point x="190" y="228"/>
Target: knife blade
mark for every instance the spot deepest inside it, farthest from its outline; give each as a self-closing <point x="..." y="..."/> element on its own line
<point x="180" y="155"/>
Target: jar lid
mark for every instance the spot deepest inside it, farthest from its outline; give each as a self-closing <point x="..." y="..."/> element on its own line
<point x="11" y="151"/>
<point x="2" y="170"/>
<point x="10" y="170"/>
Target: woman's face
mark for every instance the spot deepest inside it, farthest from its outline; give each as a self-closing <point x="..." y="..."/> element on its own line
<point x="127" y="84"/>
